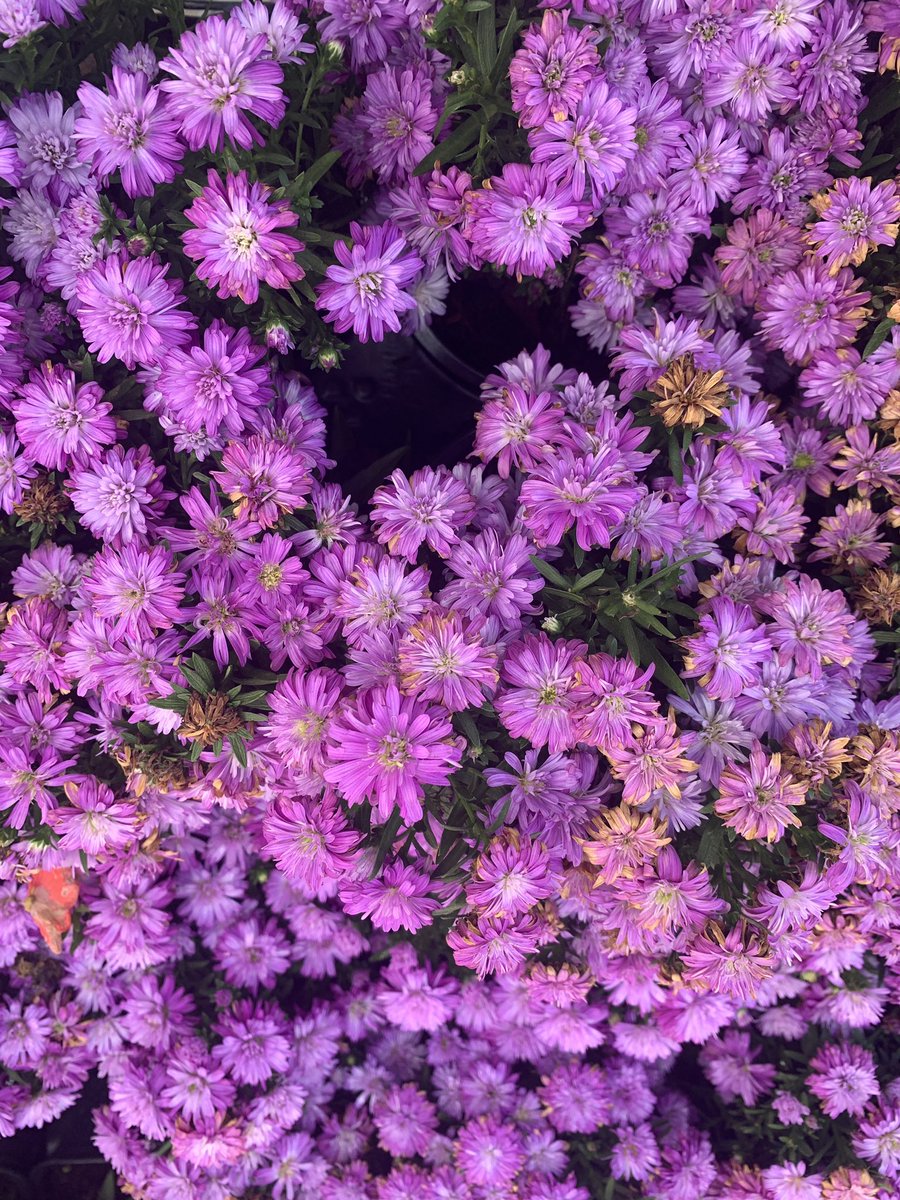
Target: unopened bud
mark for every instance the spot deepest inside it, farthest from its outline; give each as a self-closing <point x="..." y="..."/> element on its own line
<point x="139" y="245"/>
<point x="278" y="337"/>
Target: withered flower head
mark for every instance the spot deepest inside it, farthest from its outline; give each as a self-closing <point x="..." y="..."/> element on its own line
<point x="208" y="719"/>
<point x="878" y="596"/>
<point x="889" y="414"/>
<point x="688" y="394"/>
<point x="43" y="503"/>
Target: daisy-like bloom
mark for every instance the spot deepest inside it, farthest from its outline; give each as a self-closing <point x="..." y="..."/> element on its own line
<point x="221" y="78"/>
<point x="790" y="906"/>
<point x="728" y="651"/>
<point x="399" y="118"/>
<point x="16" y="471"/>
<point x="734" y="966"/>
<point x="264" y="478"/>
<point x="851" y="538"/>
<point x="677" y="897"/>
<point x="441" y="659"/>
<point x="431" y="507"/>
<point x="136" y="591"/>
<point x="850" y="1183"/>
<point x="301" y="706"/>
<point x="845" y="388"/>
<point x="367" y="291"/>
<point x="657" y="233"/>
<point x="750" y="77"/>
<point x="756" y="251"/>
<point x="493" y="944"/>
<point x="855" y="218"/>
<point x="811" y="626"/>
<point x="96" y="822"/>
<point x="518" y="427"/>
<point x="368" y="28"/>
<point x="524" y="221"/>
<point x="309" y="840"/>
<point x="709" y="166"/>
<point x="550" y="72"/>
<point x="612" y="695"/>
<point x="45" y="143"/>
<point x="809" y="310"/>
<point x="689" y="395"/>
<point x="843" y="1079"/>
<point x="59" y="420"/>
<point x="654" y="762"/>
<point x="589" y="150"/>
<point x="11" y="166"/>
<point x="380" y="597"/>
<point x="275" y="573"/>
<point x="280" y="27"/>
<point x="129" y="310"/>
<point x="537" y="701"/>
<point x="26" y="779"/>
<point x="217" y="384"/>
<point x="32" y="647"/>
<point x="791" y="1182"/>
<point x="511" y="876"/>
<point x="126" y="128"/>
<point x="621" y="842"/>
<point x="758" y="800"/>
<point x="386" y="747"/>
<point x="397" y="899"/>
<point x="236" y="243"/>
<point x="592" y="492"/>
<point x="492" y="576"/>
<point x="116" y="494"/>
<point x="635" y="1154"/>
<point x="223" y="614"/>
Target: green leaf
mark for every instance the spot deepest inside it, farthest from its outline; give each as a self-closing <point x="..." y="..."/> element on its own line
<point x="676" y="464"/>
<point x="199" y="675"/>
<point x="585" y="581"/>
<point x="550" y="573"/>
<point x="505" y="45"/>
<point x="464" y="137"/>
<point x="175" y="703"/>
<point x="388" y="837"/>
<point x="486" y="38"/>
<point x="662" y="668"/>
<point x="314" y="173"/>
<point x="238" y="748"/>
<point x="880" y="334"/>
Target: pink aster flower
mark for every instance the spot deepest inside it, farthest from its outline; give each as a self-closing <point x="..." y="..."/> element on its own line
<point x="759" y="800"/>
<point x="655" y="761"/>
<point x="493" y="944"/>
<point x="808" y="309"/>
<point x="300" y="708"/>
<point x="264" y="478"/>
<point x="236" y="240"/>
<point x="32" y="647"/>
<point x="811" y="626"/>
<point x="511" y="877"/>
<point x="310" y="840"/>
<point x="843" y="1079"/>
<point x="756" y="251"/>
<point x="129" y="310"/>
<point x="397" y="899"/>
<point x="399" y="117"/>
<point x="440" y="659"/>
<point x="750" y="77"/>
<point x="592" y="492"/>
<point x="518" y="427"/>
<point x="59" y="420"/>
<point x="612" y="695"/>
<point x="524" y="221"/>
<point x="136" y="591"/>
<point x="855" y="218"/>
<point x="219" y="384"/>
<point x="367" y="290"/>
<point x="94" y="821"/>
<point x="735" y="966"/>
<point x="386" y="747"/>
<point x="118" y="493"/>
<point x="492" y="576"/>
<point x="728" y="651"/>
<point x="551" y="70"/>
<point x="432" y="506"/>
<point x="126" y="128"/>
<point x="16" y="470"/>
<point x="221" y="77"/>
<point x="537" y="699"/>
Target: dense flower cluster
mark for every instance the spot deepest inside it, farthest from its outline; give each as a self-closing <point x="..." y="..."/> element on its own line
<point x="533" y="831"/>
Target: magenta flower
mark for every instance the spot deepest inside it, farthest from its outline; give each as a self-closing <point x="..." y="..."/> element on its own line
<point x="758" y="800"/>
<point x="32" y="647"/>
<point x="440" y="659"/>
<point x="386" y="747"/>
<point x="518" y="427"/>
<point x="524" y="221"/>
<point x="236" y="240"/>
<point x="264" y="478"/>
<point x="432" y="506"/>
<point x="592" y="492"/>
<point x="96" y="822"/>
<point x="728" y="651"/>
<point x="129" y="310"/>
<point x="511" y="877"/>
<point x="750" y="77"/>
<point x="808" y="309"/>
<point x="221" y="78"/>
<point x="127" y="129"/>
<point x="855" y="218"/>
<point x="492" y="945"/>
<point x="549" y="74"/>
<point x="310" y="841"/>
<point x="492" y="576"/>
<point x="218" y="384"/>
<point x="136" y="591"/>
<point x="399" y="118"/>
<point x="367" y="290"/>
<point x="59" y="420"/>
<point x="537" y="699"/>
<point x="117" y="493"/>
<point x="397" y="899"/>
<point x="735" y="966"/>
<point x="811" y="626"/>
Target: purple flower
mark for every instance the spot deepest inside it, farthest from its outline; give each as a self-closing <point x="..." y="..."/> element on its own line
<point x="439" y="659"/>
<point x="370" y="28"/>
<point x="130" y="311"/>
<point x="136" y="591"/>
<point x="236" y="242"/>
<point x="32" y="646"/>
<point x="310" y="841"/>
<point x="221" y="77"/>
<point x="759" y="800"/>
<point x="399" y="118"/>
<point x="518" y="427"/>
<point x="217" y="386"/>
<point x="58" y="420"/>
<point x="537" y="700"/>
<point x="431" y="507"/>
<point x="117" y="493"/>
<point x="750" y="78"/>
<point x="11" y="166"/>
<point x="96" y="822"/>
<point x="126" y="128"/>
<point x="45" y="141"/>
<point x="397" y="899"/>
<point x="367" y="290"/>
<point x="280" y="27"/>
<point x="550" y="72"/>
<point x="728" y="651"/>
<point x="386" y="747"/>
<point x="524" y="221"/>
<point x="854" y="220"/>
<point x="264" y="478"/>
<point x="592" y="492"/>
<point x="16" y="470"/>
<point x="493" y="576"/>
<point x="590" y="149"/>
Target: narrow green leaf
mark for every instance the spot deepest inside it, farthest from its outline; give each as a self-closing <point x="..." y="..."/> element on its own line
<point x="880" y="334"/>
<point x="464" y="137"/>
<point x="388" y="837"/>
<point x="486" y="38"/>
<point x="238" y="748"/>
<point x="585" y="581"/>
<point x="550" y="573"/>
